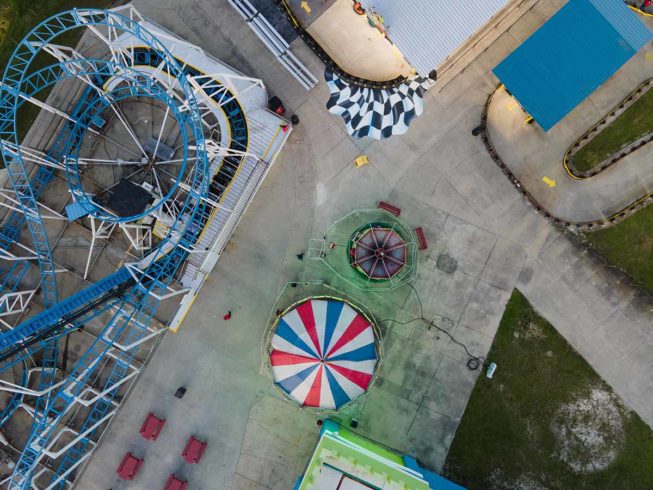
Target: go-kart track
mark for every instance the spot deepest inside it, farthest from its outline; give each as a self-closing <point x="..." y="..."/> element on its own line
<point x="154" y="149"/>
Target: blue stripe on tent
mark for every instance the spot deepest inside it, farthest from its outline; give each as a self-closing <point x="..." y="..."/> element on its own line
<point x="289" y="384"/>
<point x="285" y="332"/>
<point x="334" y="309"/>
<point x="365" y="353"/>
<point x="339" y="395"/>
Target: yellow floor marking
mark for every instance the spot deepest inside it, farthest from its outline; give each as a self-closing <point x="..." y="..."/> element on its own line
<point x="648" y="56"/>
<point x="361" y="160"/>
<point x="549" y="181"/>
<point x="306" y="7"/>
<point x="511" y="105"/>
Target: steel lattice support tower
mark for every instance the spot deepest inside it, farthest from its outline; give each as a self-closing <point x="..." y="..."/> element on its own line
<point x="191" y="190"/>
<point x="132" y="294"/>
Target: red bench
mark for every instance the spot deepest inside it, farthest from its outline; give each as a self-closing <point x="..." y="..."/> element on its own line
<point x="174" y="483"/>
<point x="129" y="467"/>
<point x="194" y="450"/>
<point x="152" y="426"/>
<point x="389" y="208"/>
<point x="421" y="239"/>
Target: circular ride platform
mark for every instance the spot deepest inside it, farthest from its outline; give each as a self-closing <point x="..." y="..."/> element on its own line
<point x="323" y="353"/>
<point x="377" y="251"/>
<point x="369" y="248"/>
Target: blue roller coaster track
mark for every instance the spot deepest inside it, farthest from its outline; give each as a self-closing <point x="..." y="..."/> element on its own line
<point x="131" y="295"/>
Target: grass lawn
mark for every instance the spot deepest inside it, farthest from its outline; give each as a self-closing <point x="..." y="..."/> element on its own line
<point x="545" y="412"/>
<point x="629" y="245"/>
<point x="634" y="123"/>
<point x="17" y="18"/>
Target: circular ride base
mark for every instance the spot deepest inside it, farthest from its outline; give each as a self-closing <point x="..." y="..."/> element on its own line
<point x="110" y="159"/>
<point x="336" y="250"/>
<point x="322" y="352"/>
<point x="377" y="251"/>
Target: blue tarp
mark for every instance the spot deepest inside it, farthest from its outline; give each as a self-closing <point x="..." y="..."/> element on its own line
<point x="571" y="55"/>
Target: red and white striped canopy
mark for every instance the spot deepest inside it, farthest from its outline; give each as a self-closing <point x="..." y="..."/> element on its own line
<point x="323" y="353"/>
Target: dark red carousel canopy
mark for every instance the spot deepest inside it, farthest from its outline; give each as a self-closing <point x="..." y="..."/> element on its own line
<point x="378" y="252"/>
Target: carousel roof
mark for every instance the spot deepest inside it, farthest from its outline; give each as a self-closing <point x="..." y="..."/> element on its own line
<point x="323" y="353"/>
<point x="378" y="252"/>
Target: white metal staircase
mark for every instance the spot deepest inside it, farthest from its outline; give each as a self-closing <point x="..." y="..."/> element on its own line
<point x="233" y="202"/>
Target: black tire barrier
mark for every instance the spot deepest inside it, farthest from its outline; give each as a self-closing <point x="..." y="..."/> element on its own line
<point x="538" y="208"/>
<point x="602" y="124"/>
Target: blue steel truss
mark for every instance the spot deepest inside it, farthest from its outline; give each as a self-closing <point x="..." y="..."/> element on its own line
<point x="145" y="87"/>
<point x="134" y="308"/>
<point x="13" y="276"/>
<point x="71" y="136"/>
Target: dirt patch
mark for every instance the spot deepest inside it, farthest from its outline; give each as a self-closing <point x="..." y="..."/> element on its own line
<point x="5" y="15"/>
<point x="446" y="263"/>
<point x="529" y="331"/>
<point x="646" y="242"/>
<point x="533" y="331"/>
<point x="498" y="481"/>
<point x="589" y="431"/>
<point x="527" y="482"/>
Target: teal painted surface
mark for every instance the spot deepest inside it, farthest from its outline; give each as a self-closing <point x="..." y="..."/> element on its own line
<point x="435" y="481"/>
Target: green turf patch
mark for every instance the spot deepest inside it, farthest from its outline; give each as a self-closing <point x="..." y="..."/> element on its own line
<point x="546" y="420"/>
<point x="632" y="124"/>
<point x="17" y="18"/>
<point x="629" y="245"/>
<point x="5" y="20"/>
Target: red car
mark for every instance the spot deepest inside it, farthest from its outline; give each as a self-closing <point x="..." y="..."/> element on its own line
<point x="152" y="427"/>
<point x="129" y="467"/>
<point x="194" y="450"/>
<point x="174" y="483"/>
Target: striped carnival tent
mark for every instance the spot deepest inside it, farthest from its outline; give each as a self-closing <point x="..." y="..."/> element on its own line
<point x="323" y="353"/>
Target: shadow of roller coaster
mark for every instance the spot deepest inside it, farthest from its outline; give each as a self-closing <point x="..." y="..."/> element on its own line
<point x="132" y="293"/>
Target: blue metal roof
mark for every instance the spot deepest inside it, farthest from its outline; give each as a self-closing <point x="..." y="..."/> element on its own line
<point x="573" y="53"/>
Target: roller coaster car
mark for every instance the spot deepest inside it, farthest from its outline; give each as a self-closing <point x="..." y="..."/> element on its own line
<point x="129" y="467"/>
<point x="275" y="105"/>
<point x="152" y="426"/>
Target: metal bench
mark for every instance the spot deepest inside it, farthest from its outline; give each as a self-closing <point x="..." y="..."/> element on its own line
<point x="389" y="208"/>
<point x="152" y="426"/>
<point x="194" y="450"/>
<point x="421" y="239"/>
<point x="129" y="467"/>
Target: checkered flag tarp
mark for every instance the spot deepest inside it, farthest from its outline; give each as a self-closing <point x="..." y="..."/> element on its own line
<point x="376" y="113"/>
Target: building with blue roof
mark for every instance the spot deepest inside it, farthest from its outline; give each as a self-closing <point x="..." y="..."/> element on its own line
<point x="570" y="56"/>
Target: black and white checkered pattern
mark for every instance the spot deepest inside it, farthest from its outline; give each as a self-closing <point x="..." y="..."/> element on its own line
<point x="376" y="113"/>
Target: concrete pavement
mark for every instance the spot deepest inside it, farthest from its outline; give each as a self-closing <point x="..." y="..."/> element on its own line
<point x="599" y="313"/>
<point x="444" y="179"/>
